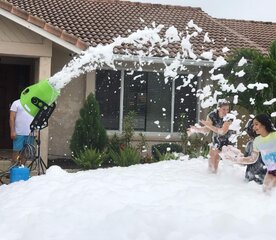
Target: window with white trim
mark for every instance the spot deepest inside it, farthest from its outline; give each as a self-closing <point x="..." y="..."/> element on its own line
<point x="157" y="104"/>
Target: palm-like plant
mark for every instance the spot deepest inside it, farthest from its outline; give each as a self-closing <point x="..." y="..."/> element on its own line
<point x="259" y="68"/>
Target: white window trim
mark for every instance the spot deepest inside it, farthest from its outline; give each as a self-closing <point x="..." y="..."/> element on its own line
<point x="121" y="114"/>
<point x="122" y="92"/>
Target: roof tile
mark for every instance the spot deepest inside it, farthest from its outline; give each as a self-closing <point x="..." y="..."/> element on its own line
<point x="53" y="30"/>
<point x="37" y="21"/>
<point x="262" y="33"/>
<point x="6" y="5"/>
<point x="69" y="38"/>
<point x="82" y="45"/>
<point x="20" y="13"/>
<point x="92" y="22"/>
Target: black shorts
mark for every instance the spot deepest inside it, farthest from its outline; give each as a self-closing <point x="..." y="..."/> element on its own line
<point x="219" y="144"/>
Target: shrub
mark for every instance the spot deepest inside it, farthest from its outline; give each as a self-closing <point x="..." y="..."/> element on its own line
<point x="259" y="67"/>
<point x="115" y="143"/>
<point x="197" y="146"/>
<point x="165" y="148"/>
<point x="146" y="159"/>
<point x="142" y="145"/>
<point x="89" y="131"/>
<point x="90" y="159"/>
<point x="166" y="156"/>
<point x="182" y="130"/>
<point x="125" y="157"/>
<point x="128" y="128"/>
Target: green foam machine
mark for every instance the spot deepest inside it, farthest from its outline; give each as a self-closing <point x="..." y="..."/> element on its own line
<point x="39" y="101"/>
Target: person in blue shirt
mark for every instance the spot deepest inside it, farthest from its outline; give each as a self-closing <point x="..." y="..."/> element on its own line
<point x="255" y="171"/>
<point x="264" y="145"/>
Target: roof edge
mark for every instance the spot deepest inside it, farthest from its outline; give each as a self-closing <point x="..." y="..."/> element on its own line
<point x="243" y="20"/>
<point x="42" y="28"/>
<point x="147" y="3"/>
<point x="257" y="46"/>
<point x="167" y="60"/>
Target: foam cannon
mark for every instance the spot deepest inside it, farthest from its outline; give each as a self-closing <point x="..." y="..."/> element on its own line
<point x="39" y="101"/>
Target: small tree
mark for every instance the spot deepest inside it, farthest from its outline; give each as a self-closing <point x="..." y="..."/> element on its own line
<point x="183" y="131"/>
<point x="142" y="145"/>
<point x="89" y="132"/>
<point x="128" y="128"/>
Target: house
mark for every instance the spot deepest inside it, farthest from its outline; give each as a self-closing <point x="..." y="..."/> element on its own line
<point x="39" y="37"/>
<point x="262" y="33"/>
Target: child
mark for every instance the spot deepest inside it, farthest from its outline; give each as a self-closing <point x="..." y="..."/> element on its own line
<point x="264" y="144"/>
<point x="256" y="171"/>
<point x="216" y="123"/>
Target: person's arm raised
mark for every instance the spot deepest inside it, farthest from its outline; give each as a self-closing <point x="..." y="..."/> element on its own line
<point x="199" y="129"/>
<point x="223" y="130"/>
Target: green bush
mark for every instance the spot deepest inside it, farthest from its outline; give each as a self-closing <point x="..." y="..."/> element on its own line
<point x="182" y="130"/>
<point x="259" y="67"/>
<point x="197" y="146"/>
<point x="125" y="157"/>
<point x="164" y="148"/>
<point x="89" y="131"/>
<point x="115" y="143"/>
<point x="90" y="159"/>
<point x="146" y="159"/>
<point x="128" y="128"/>
<point x="142" y="145"/>
<point x="166" y="156"/>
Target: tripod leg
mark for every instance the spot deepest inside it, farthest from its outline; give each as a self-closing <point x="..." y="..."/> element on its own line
<point x="42" y="166"/>
<point x="31" y="165"/>
<point x="38" y="165"/>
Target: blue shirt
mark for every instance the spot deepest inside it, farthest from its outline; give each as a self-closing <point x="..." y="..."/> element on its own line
<point x="267" y="147"/>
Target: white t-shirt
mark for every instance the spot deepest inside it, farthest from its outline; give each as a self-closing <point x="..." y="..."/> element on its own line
<point x="22" y="119"/>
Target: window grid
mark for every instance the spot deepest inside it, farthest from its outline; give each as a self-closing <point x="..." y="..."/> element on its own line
<point x="173" y="98"/>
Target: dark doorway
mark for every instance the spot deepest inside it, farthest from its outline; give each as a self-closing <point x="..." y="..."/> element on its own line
<point x="13" y="79"/>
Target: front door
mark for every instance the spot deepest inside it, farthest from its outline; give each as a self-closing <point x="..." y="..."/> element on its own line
<point x="13" y="79"/>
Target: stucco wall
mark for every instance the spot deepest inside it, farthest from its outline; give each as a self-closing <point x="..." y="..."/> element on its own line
<point x="62" y="121"/>
<point x="17" y="42"/>
<point x="20" y="41"/>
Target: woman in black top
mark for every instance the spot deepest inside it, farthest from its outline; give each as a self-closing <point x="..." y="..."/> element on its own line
<point x="216" y="123"/>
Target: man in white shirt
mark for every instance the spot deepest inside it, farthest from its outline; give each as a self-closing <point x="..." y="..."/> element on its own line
<point x="20" y="122"/>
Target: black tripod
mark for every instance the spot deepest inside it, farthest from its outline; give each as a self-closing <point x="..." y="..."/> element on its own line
<point x="40" y="121"/>
<point x="38" y="162"/>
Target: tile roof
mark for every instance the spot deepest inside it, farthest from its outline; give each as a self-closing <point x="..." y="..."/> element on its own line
<point x="86" y="23"/>
<point x="263" y="33"/>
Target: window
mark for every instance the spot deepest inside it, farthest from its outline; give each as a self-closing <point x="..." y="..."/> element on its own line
<point x="108" y="84"/>
<point x="149" y="97"/>
<point x="147" y="94"/>
<point x="185" y="101"/>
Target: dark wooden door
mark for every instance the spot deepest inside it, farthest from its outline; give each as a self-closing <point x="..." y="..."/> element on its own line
<point x="13" y="79"/>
